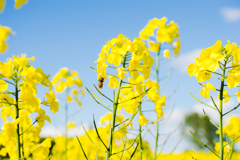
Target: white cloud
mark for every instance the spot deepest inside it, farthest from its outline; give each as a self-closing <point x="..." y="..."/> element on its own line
<point x="230" y="14"/>
<point x="182" y="61"/>
<point x="54" y="131"/>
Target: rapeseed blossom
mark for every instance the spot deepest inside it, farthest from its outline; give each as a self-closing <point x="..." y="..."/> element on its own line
<point x="4" y="32"/>
<point x="130" y="58"/>
<point x="160" y="31"/>
<point x="20" y="104"/>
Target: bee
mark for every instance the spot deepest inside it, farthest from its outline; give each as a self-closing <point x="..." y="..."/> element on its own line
<point x="100" y="83"/>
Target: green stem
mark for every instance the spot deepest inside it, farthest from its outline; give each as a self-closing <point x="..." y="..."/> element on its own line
<point x="203" y="144"/>
<point x="17" y="115"/>
<point x="140" y="136"/>
<point x="115" y="105"/>
<point x="157" y="79"/>
<point x="22" y="144"/>
<point x="28" y="128"/>
<point x="82" y="149"/>
<point x="220" y="112"/>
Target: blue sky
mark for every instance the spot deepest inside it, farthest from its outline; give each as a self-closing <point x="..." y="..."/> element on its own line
<point x="71" y="33"/>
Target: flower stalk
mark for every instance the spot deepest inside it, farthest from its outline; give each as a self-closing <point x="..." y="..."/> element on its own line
<point x="220" y="112"/>
<point x="17" y="116"/>
<point x="157" y="122"/>
<point x="140" y="136"/>
<point x="115" y="105"/>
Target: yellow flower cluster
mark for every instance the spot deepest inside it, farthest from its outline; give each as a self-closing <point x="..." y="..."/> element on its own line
<point x="162" y="32"/>
<point x="65" y="79"/>
<point x="233" y="129"/>
<point x="4" y="32"/>
<point x="135" y="61"/>
<point x="121" y="50"/>
<point x="210" y="60"/>
<point x="20" y="104"/>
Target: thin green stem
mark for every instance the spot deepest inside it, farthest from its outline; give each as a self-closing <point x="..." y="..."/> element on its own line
<point x="157" y="79"/>
<point x="214" y="103"/>
<point x="214" y="72"/>
<point x="102" y="93"/>
<point x="204" y="144"/>
<point x="8" y="82"/>
<point x="129" y="146"/>
<point x="231" y="141"/>
<point x="201" y="101"/>
<point x="124" y="147"/>
<point x="82" y="149"/>
<point x="232" y="66"/>
<point x="210" y="119"/>
<point x="220" y="112"/>
<point x="114" y="113"/>
<point x="98" y="101"/>
<point x="232" y="109"/>
<point x="90" y="138"/>
<point x="99" y="137"/>
<point x="28" y="128"/>
<point x="17" y="115"/>
<point x="140" y="136"/>
<point x="134" y="152"/>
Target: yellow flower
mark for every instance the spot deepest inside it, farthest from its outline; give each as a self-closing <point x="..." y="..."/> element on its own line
<point x="198" y="69"/>
<point x="177" y="45"/>
<point x="71" y="125"/>
<point x="75" y="92"/>
<point x="19" y="3"/>
<point x="130" y="124"/>
<point x="3" y="85"/>
<point x="69" y="98"/>
<point x="6" y="112"/>
<point x="233" y="129"/>
<point x="42" y="117"/>
<point x="154" y="46"/>
<point x="166" y="53"/>
<point x="9" y="128"/>
<point x="142" y="120"/>
<point x="205" y="89"/>
<point x="238" y="95"/>
<point x="121" y="73"/>
<point x="78" y="81"/>
<point x="52" y="100"/>
<point x="61" y="86"/>
<point x="159" y="102"/>
<point x="4" y="32"/>
<point x="43" y="150"/>
<point x="2" y="3"/>
<point x="83" y="92"/>
<point x="113" y="82"/>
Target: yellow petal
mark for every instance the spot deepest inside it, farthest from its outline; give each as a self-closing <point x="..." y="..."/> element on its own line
<point x="142" y="120"/>
<point x="3" y="85"/>
<point x="2" y="3"/>
<point x="166" y="53"/>
<point x="19" y="3"/>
